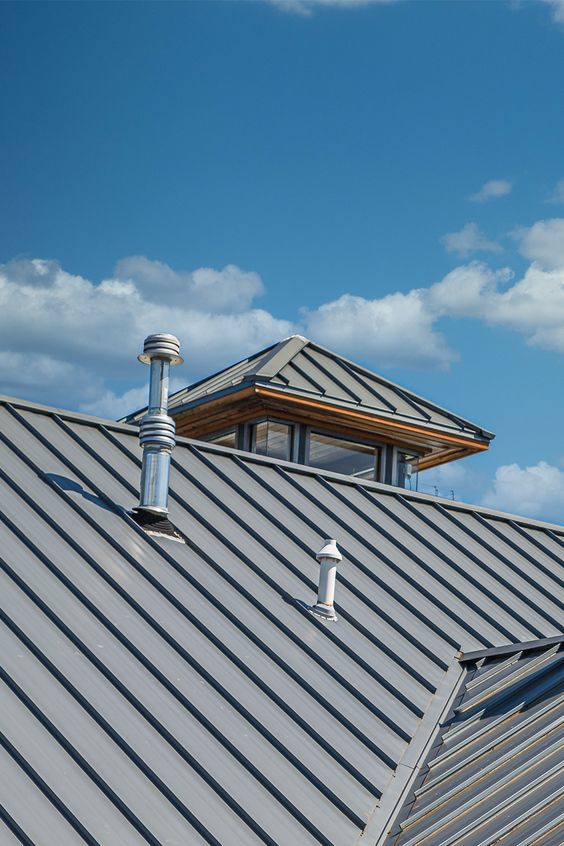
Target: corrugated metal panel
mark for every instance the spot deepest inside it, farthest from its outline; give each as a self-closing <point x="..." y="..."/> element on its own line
<point x="497" y="773"/>
<point x="300" y="366"/>
<point x="164" y="692"/>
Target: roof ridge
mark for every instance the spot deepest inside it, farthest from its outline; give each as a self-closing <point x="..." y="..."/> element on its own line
<point x="280" y="355"/>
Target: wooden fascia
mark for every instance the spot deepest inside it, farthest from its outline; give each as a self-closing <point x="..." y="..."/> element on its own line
<point x="256" y="400"/>
<point x="408" y="429"/>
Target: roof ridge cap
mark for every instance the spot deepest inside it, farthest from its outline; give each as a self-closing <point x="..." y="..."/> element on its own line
<point x="279" y="356"/>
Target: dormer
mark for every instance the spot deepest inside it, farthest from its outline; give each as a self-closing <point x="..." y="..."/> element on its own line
<point x="299" y="402"/>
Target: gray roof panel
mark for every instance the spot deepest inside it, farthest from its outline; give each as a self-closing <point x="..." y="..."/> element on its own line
<point x="161" y="692"/>
<point x="496" y="771"/>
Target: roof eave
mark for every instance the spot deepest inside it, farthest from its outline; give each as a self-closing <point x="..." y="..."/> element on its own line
<point x="266" y="388"/>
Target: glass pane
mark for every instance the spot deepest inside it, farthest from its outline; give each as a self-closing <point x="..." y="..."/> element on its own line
<point x="342" y="456"/>
<point x="273" y="439"/>
<point x="407" y="470"/>
<point x="228" y="439"/>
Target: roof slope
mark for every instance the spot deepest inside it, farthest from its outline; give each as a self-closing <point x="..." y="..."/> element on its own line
<point x="298" y="366"/>
<point x="164" y="692"/>
<point x="497" y="772"/>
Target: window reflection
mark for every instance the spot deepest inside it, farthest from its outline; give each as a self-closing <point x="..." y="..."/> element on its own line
<point x="342" y="456"/>
<point x="272" y="439"/>
<point x="407" y="476"/>
<point x="227" y="438"/>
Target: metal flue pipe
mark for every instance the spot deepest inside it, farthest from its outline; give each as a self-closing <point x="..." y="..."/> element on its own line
<point x="328" y="557"/>
<point x="156" y="429"/>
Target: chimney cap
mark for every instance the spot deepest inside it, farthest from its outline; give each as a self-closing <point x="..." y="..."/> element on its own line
<point x="161" y="345"/>
<point x="330" y="550"/>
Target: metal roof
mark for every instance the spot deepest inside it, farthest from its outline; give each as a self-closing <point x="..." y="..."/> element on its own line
<point x="496" y="772"/>
<point x="159" y="692"/>
<point x="298" y="366"/>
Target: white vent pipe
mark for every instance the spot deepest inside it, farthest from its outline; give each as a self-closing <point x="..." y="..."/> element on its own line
<point x="156" y="429"/>
<point x="328" y="558"/>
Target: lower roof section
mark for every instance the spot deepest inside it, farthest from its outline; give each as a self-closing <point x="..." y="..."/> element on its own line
<point x="162" y="692"/>
<point x="496" y="771"/>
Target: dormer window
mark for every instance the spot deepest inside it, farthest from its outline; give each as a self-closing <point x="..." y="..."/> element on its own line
<point x="407" y="470"/>
<point x="352" y="458"/>
<point x="227" y="438"/>
<point x="272" y="438"/>
<point x="296" y="401"/>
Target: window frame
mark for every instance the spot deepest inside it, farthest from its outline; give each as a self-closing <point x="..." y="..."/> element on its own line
<point x="379" y="450"/>
<point x="249" y="436"/>
<point x="398" y="450"/>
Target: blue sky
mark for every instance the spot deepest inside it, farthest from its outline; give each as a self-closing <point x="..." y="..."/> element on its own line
<point x="237" y="171"/>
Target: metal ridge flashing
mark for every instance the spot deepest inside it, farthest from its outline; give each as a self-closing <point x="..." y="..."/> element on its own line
<point x="511" y="649"/>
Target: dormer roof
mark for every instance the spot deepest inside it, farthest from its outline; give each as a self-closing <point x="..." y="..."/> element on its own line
<point x="300" y="367"/>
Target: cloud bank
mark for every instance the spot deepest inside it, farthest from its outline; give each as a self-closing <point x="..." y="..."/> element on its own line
<point x="69" y="341"/>
<point x="66" y="340"/>
<point x="536" y="491"/>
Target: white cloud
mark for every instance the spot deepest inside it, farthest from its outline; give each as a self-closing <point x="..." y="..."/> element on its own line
<point x="557" y="7"/>
<point x="470" y="239"/>
<point x="557" y="195"/>
<point x="536" y="491"/>
<point x="465" y="291"/>
<point x="117" y="405"/>
<point x="543" y="242"/>
<point x="221" y="291"/>
<point x="490" y="190"/>
<point x="306" y="7"/>
<point x="533" y="306"/>
<point x="74" y="343"/>
<point x="394" y="330"/>
<point x="68" y="341"/>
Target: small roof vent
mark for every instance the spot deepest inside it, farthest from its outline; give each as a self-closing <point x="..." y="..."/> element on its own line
<point x="328" y="557"/>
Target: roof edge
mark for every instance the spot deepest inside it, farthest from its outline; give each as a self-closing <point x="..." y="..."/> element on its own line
<point x="68" y="414"/>
<point x="473" y="435"/>
<point x="429" y="403"/>
<point x="206" y="446"/>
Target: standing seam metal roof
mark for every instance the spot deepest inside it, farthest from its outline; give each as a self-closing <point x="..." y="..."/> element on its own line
<point x="158" y="692"/>
<point x="495" y="774"/>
